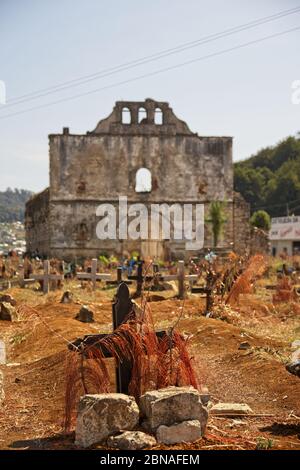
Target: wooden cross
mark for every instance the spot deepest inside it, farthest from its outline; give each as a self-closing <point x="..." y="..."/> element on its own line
<point x="140" y="278"/>
<point x="47" y="277"/>
<point x="180" y="277"/>
<point x="93" y="275"/>
<point x="119" y="278"/>
<point x="121" y="308"/>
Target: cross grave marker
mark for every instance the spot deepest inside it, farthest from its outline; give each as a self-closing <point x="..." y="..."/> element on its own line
<point x="121" y="308"/>
<point x="47" y="277"/>
<point x="94" y="276"/>
<point x="180" y="276"/>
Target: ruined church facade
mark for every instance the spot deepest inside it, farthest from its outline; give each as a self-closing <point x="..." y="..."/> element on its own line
<point x="99" y="166"/>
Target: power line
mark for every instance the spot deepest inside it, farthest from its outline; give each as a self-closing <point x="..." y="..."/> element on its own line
<point x="151" y="74"/>
<point x="147" y="59"/>
<point x="277" y="205"/>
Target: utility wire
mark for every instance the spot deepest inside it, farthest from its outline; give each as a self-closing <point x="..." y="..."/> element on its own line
<point x="151" y="74"/>
<point x="147" y="59"/>
<point x="277" y="205"/>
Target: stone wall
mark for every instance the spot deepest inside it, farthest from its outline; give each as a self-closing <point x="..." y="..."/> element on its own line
<point x="37" y="223"/>
<point x="98" y="167"/>
<point x="241" y="225"/>
<point x="259" y="241"/>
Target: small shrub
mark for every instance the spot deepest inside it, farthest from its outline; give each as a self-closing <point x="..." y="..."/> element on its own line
<point x="263" y="444"/>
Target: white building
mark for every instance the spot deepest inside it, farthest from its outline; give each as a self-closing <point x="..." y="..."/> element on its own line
<point x="285" y="235"/>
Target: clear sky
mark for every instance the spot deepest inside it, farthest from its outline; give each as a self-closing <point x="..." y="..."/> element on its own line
<point x="245" y="93"/>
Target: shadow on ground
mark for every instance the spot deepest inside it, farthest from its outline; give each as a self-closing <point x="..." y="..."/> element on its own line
<point x="59" y="441"/>
<point x="283" y="429"/>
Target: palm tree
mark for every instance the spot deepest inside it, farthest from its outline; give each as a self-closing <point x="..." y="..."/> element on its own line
<point x="217" y="219"/>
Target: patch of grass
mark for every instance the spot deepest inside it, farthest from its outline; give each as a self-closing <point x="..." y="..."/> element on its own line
<point x="18" y="338"/>
<point x="264" y="444"/>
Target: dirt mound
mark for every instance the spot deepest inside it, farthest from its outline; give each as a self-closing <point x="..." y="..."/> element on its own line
<point x="33" y="410"/>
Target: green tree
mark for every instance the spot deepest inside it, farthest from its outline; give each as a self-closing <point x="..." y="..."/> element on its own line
<point x="261" y="219"/>
<point x="270" y="179"/>
<point x="217" y="219"/>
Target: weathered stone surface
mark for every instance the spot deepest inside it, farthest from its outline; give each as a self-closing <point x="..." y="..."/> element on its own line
<point x="244" y="345"/>
<point x="61" y="222"/>
<point x="172" y="405"/>
<point x="2" y="352"/>
<point x="85" y="315"/>
<point x="8" y="312"/>
<point x="295" y="355"/>
<point x="67" y="297"/>
<point x="101" y="415"/>
<point x="2" y="395"/>
<point x="230" y="409"/>
<point x="8" y="299"/>
<point x="294" y="365"/>
<point x="187" y="431"/>
<point x="295" y="344"/>
<point x="131" y="440"/>
<point x="294" y="368"/>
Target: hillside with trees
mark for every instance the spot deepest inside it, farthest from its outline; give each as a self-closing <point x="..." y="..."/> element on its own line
<point x="270" y="180"/>
<point x="12" y="204"/>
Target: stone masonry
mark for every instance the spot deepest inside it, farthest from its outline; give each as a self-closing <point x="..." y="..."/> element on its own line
<point x="94" y="168"/>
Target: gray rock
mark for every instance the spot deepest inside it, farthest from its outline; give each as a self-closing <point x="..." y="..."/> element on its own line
<point x="294" y="365"/>
<point x="244" y="345"/>
<point x="8" y="299"/>
<point x="230" y="409"/>
<point x="2" y="352"/>
<point x="101" y="415"/>
<point x="67" y="297"/>
<point x="295" y="357"/>
<point x="8" y="312"/>
<point x="295" y="344"/>
<point x="85" y="315"/>
<point x="172" y="405"/>
<point x="187" y="431"/>
<point x="2" y="395"/>
<point x="131" y="440"/>
<point x="293" y="368"/>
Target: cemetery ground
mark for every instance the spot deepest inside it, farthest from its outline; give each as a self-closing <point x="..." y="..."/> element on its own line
<point x="32" y="414"/>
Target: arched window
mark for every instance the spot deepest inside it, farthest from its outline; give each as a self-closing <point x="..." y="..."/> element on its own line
<point x="126" y="116"/>
<point x="158" y="117"/>
<point x="143" y="183"/>
<point x="142" y="115"/>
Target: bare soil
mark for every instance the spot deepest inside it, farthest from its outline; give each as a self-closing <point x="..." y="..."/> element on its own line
<point x="31" y="416"/>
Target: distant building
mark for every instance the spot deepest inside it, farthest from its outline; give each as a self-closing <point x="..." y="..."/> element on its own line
<point x="285" y="236"/>
<point x="136" y="139"/>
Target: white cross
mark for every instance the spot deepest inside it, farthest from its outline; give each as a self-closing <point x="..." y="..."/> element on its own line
<point x="93" y="275"/>
<point x="47" y="277"/>
<point x="180" y="277"/>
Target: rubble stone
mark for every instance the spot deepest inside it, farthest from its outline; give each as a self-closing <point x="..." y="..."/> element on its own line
<point x="172" y="405"/>
<point x="102" y="415"/>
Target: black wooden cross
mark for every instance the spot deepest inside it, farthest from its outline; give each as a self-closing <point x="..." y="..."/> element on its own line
<point x="121" y="309"/>
<point x="119" y="278"/>
<point x="140" y="278"/>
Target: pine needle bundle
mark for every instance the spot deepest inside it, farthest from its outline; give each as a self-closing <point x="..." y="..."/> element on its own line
<point x="156" y="362"/>
<point x="244" y="283"/>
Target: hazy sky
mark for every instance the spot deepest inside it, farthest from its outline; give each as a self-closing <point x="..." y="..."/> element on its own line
<point x="245" y="93"/>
